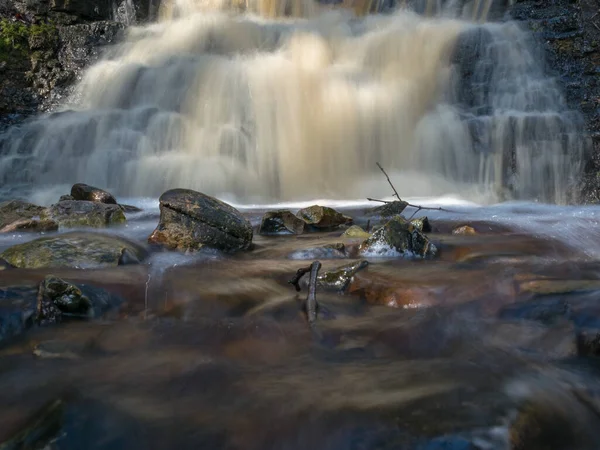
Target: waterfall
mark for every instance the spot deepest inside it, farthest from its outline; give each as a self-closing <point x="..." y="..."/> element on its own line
<point x="285" y="100"/>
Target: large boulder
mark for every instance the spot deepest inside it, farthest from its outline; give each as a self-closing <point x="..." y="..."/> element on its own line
<point x="76" y="249"/>
<point x="17" y="215"/>
<point x="72" y="214"/>
<point x="190" y="220"/>
<point x="281" y="222"/>
<point x="82" y="191"/>
<point x="323" y="217"/>
<point x="398" y="237"/>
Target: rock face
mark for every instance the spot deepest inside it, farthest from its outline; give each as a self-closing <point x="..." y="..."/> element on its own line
<point x="281" y="222"/>
<point x="323" y="218"/>
<point x="89" y="193"/>
<point x="76" y="249"/>
<point x="398" y="237"/>
<point x="17" y="215"/>
<point x="73" y="214"/>
<point x="190" y="220"/>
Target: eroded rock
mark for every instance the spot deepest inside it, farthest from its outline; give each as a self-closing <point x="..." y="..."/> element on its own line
<point x="281" y="222"/>
<point x="190" y="220"/>
<point x="398" y="237"/>
<point x="76" y="249"/>
<point x="323" y="217"/>
<point x="73" y="214"/>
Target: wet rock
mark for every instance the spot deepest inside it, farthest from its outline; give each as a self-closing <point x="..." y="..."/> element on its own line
<point x="34" y="224"/>
<point x="13" y="211"/>
<point x="340" y="277"/>
<point x="76" y="249"/>
<point x="398" y="237"/>
<point x="588" y="343"/>
<point x="57" y="297"/>
<point x="323" y="217"/>
<point x="89" y="193"/>
<point x="330" y="251"/>
<point x="389" y="209"/>
<point x="356" y="232"/>
<point x="127" y="258"/>
<point x="281" y="222"/>
<point x="464" y="230"/>
<point x="422" y="224"/>
<point x="130" y="209"/>
<point x="17" y="310"/>
<point x="73" y="214"/>
<point x="190" y="220"/>
<point x="64" y="198"/>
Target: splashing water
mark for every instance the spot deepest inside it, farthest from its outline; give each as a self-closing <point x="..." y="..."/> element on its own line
<point x="268" y="100"/>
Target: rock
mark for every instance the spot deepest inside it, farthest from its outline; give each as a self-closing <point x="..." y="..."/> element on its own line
<point x="340" y="277"/>
<point x="127" y="258"/>
<point x="323" y="218"/>
<point x="130" y="209"/>
<point x="356" y="232"/>
<point x="422" y="224"/>
<point x="89" y="193"/>
<point x="64" y="198"/>
<point x="5" y="265"/>
<point x="190" y="220"/>
<point x="57" y="297"/>
<point x="389" y="209"/>
<point x="281" y="222"/>
<point x="73" y="213"/>
<point x="75" y="249"/>
<point x="464" y="230"/>
<point x="16" y="210"/>
<point x="33" y="224"/>
<point x="17" y="310"/>
<point x="398" y="237"/>
<point x="330" y="251"/>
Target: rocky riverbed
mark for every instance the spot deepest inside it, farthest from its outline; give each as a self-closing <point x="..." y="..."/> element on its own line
<point x="487" y="342"/>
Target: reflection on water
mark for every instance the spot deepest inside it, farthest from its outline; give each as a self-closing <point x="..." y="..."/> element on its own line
<point x="475" y="350"/>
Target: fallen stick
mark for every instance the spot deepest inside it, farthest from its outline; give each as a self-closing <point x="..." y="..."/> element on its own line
<point x="299" y="274"/>
<point x="311" y="299"/>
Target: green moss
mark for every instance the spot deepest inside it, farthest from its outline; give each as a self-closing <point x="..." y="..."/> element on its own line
<point x="15" y="37"/>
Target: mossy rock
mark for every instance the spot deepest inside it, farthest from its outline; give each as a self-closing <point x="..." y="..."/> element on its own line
<point x="17" y="210"/>
<point x="422" y="224"/>
<point x="76" y="249"/>
<point x="74" y="214"/>
<point x="323" y="217"/>
<point x="356" y="232"/>
<point x="340" y="277"/>
<point x="398" y="237"/>
<point x="281" y="222"/>
<point x="190" y="220"/>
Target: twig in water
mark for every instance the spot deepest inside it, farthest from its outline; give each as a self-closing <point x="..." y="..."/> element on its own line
<point x="311" y="298"/>
<point x="299" y="274"/>
<point x="389" y="181"/>
<point x="146" y="298"/>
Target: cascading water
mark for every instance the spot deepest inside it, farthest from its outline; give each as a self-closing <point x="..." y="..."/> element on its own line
<point x="236" y="97"/>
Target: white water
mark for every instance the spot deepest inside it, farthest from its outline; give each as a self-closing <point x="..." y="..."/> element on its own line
<point x="257" y="107"/>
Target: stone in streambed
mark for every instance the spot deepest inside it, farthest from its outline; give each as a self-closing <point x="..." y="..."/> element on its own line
<point x="356" y="232"/>
<point x="57" y="297"/>
<point x="190" y="220"/>
<point x="398" y="237"/>
<point x="323" y="217"/>
<point x="17" y="215"/>
<point x="340" y="277"/>
<point x="422" y="224"/>
<point x="464" y="230"/>
<point x="75" y="249"/>
<point x="281" y="222"/>
<point x="81" y="191"/>
<point x="388" y="210"/>
<point x="74" y="214"/>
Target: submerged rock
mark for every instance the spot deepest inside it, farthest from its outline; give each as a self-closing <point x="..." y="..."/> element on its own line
<point x="329" y="251"/>
<point x="340" y="277"/>
<point x="89" y="193"/>
<point x="356" y="232"/>
<point x="76" y="249"/>
<point x="17" y="310"/>
<point x="190" y="220"/>
<point x="464" y="230"/>
<point x="281" y="222"/>
<point x="57" y="297"/>
<point x="17" y="215"/>
<point x="323" y="217"/>
<point x="398" y="236"/>
<point x="389" y="209"/>
<point x="72" y="214"/>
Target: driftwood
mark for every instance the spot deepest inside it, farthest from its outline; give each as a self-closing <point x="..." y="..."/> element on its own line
<point x="418" y="207"/>
<point x="310" y="305"/>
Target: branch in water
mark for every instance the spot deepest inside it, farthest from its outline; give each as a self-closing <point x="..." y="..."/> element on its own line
<point x="299" y="274"/>
<point x="311" y="298"/>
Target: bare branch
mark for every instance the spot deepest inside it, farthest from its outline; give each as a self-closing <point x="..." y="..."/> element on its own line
<point x="389" y="181"/>
<point x="311" y="298"/>
<point x="299" y="274"/>
<point x="375" y="200"/>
